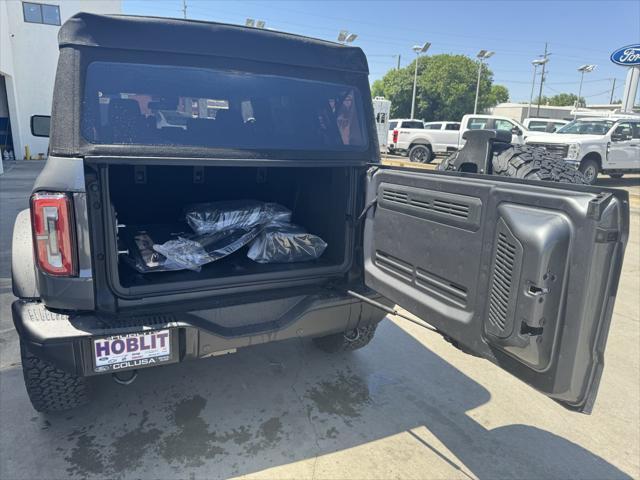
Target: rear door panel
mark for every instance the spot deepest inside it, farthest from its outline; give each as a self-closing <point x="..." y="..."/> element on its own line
<point x="522" y="274"/>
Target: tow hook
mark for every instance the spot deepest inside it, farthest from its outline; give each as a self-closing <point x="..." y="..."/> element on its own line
<point x="125" y="381"/>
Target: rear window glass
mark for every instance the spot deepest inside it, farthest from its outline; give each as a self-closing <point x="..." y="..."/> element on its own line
<point x="392" y="125"/>
<point x="538" y="126"/>
<point x="452" y="126"/>
<point x="477" y="123"/>
<point x="411" y="124"/>
<point x="184" y="106"/>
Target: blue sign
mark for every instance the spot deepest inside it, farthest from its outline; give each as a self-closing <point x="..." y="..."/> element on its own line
<point x="628" y="56"/>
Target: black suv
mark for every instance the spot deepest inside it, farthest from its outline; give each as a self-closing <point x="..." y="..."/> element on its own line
<point x="151" y="116"/>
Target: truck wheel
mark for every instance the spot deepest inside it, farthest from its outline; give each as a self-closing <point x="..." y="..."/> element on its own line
<point x="49" y="388"/>
<point x="589" y="169"/>
<point x="527" y="162"/>
<point x="346" y="341"/>
<point x="420" y="154"/>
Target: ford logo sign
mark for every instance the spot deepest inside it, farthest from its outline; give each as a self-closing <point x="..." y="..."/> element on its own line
<point x="628" y="56"/>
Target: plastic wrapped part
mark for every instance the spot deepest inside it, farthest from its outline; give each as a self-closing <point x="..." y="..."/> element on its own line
<point x="220" y="216"/>
<point x="196" y="250"/>
<point x="140" y="241"/>
<point x="285" y="243"/>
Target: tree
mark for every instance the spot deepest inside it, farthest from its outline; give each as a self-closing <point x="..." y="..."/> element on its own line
<point x="446" y="88"/>
<point x="561" y="100"/>
<point x="498" y="94"/>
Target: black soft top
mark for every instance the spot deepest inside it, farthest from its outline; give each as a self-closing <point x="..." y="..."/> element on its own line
<point x="197" y="37"/>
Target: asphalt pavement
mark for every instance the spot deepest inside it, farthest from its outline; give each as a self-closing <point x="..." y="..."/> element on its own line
<point x="407" y="406"/>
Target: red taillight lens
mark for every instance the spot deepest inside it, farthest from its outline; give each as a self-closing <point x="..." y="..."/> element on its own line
<point x="395" y="136"/>
<point x="52" y="233"/>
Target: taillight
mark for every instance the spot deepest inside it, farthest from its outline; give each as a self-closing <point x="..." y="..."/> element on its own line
<point x="53" y="233"/>
<point x="395" y="136"/>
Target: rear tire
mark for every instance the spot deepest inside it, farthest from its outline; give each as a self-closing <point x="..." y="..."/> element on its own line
<point x="49" y="388"/>
<point x="420" y="154"/>
<point x="589" y="169"/>
<point x="528" y="163"/>
<point x="347" y="341"/>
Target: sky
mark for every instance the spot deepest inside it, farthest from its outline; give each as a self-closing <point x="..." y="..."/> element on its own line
<point x="578" y="33"/>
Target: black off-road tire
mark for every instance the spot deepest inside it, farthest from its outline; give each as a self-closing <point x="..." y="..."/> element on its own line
<point x="49" y="388"/>
<point x="527" y="162"/>
<point x="421" y="153"/>
<point x="347" y="341"/>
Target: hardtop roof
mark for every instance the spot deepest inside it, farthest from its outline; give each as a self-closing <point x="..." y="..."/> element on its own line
<point x="196" y="37"/>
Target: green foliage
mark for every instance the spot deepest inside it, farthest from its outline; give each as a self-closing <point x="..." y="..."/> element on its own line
<point x="561" y="100"/>
<point x="446" y="88"/>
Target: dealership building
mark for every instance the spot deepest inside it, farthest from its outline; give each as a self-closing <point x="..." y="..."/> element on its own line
<point x="28" y="59"/>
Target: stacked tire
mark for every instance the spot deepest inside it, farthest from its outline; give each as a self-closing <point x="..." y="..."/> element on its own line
<point x="528" y="163"/>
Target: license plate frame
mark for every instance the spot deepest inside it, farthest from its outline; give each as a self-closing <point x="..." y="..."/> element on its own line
<point x="148" y="348"/>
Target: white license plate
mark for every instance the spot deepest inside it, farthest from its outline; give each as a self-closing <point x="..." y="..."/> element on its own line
<point x="134" y="350"/>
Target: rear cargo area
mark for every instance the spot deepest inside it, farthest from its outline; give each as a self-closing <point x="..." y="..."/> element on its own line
<point x="155" y="197"/>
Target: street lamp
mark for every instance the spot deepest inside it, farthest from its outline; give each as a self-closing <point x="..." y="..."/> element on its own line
<point x="418" y="49"/>
<point x="535" y="63"/>
<point x="345" y="37"/>
<point x="583" y="69"/>
<point x="482" y="55"/>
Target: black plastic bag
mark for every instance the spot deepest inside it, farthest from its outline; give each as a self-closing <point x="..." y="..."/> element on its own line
<point x="285" y="243"/>
<point x="220" y="216"/>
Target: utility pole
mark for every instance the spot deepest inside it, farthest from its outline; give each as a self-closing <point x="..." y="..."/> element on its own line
<point x="184" y="8"/>
<point x="398" y="62"/>
<point x="542" y="78"/>
<point x="613" y="88"/>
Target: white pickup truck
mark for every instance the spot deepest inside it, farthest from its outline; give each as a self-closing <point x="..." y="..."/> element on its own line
<point x="609" y="145"/>
<point x="420" y="141"/>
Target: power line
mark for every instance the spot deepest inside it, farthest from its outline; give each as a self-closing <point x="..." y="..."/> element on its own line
<point x="447" y="33"/>
<point x="398" y="41"/>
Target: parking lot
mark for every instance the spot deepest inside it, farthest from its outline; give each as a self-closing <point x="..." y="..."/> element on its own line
<point x="407" y="406"/>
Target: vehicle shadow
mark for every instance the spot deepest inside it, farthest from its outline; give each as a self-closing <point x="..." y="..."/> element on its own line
<point x="280" y="403"/>
<point x="626" y="181"/>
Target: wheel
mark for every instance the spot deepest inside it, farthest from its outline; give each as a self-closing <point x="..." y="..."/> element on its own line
<point x="347" y="341"/>
<point x="526" y="162"/>
<point x="420" y="154"/>
<point x="49" y="388"/>
<point x="616" y="175"/>
<point x="589" y="169"/>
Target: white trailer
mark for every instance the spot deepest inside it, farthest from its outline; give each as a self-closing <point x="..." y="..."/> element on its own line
<point x="381" y="110"/>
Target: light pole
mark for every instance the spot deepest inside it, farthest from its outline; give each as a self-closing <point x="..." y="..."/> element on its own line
<point x="345" y="37"/>
<point x="482" y="55"/>
<point x="418" y="49"/>
<point x="535" y="63"/>
<point x="583" y="69"/>
<point x="250" y="22"/>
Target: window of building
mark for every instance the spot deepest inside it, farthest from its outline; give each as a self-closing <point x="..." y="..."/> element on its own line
<point x="41" y="13"/>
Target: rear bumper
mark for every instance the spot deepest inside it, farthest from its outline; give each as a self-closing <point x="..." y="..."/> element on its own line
<point x="65" y="340"/>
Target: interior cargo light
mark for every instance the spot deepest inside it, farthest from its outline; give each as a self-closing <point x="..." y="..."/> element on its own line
<point x="53" y="233"/>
